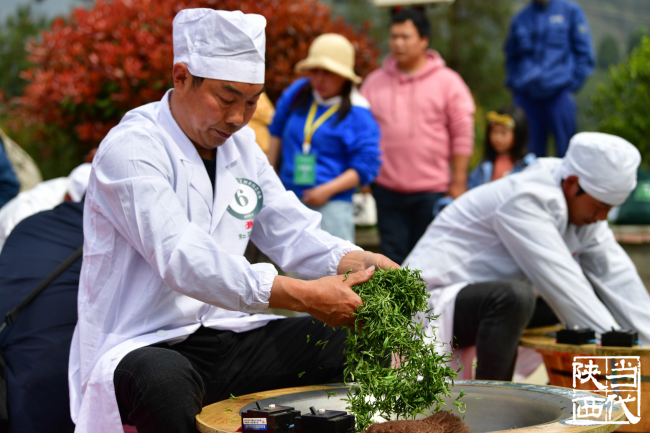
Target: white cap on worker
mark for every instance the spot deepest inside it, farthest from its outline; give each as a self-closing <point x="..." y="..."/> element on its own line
<point x="221" y="45"/>
<point x="606" y="166"/>
<point x="79" y="178"/>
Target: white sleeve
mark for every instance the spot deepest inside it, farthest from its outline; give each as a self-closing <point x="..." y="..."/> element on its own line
<point x="289" y="233"/>
<point x="616" y="279"/>
<point x="528" y="232"/>
<point x="133" y="192"/>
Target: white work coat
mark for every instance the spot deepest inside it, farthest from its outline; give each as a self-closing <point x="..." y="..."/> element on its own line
<point x="517" y="228"/>
<point x="162" y="257"/>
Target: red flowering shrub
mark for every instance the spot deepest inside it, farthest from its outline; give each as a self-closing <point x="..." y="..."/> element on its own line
<point x="94" y="66"/>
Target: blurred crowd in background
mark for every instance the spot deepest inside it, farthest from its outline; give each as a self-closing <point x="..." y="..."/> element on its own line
<point x="406" y="134"/>
<point x="421" y="129"/>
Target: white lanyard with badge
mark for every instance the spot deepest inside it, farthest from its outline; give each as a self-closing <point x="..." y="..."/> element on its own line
<point x="304" y="164"/>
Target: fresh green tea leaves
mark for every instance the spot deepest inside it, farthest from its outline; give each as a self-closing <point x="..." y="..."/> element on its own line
<point x="346" y="275"/>
<point x="300" y="374"/>
<point x="388" y="327"/>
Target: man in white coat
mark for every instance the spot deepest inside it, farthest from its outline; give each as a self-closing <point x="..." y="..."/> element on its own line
<point x="167" y="303"/>
<point x="548" y="225"/>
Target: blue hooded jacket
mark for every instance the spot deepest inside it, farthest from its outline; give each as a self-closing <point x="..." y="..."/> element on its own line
<point x="548" y="49"/>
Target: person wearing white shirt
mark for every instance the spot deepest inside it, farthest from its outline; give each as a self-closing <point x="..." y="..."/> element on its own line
<point x="546" y="225"/>
<point x="170" y="312"/>
<point x="44" y="196"/>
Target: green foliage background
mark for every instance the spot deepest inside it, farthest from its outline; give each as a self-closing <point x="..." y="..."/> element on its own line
<point x="608" y="53"/>
<point x="15" y="31"/>
<point x="622" y="106"/>
<point x="13" y="35"/>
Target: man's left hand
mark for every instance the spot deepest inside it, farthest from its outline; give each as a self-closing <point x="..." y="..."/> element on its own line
<point x="360" y="260"/>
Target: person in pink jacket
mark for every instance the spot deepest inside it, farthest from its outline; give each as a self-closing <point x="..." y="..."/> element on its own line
<point x="425" y="113"/>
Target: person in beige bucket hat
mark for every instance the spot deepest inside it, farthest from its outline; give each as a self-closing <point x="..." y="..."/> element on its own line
<point x="326" y="135"/>
<point x="333" y="53"/>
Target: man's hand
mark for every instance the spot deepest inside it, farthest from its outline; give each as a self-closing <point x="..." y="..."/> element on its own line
<point x="330" y="299"/>
<point x="359" y="260"/>
<point x="317" y="196"/>
<point x="335" y="301"/>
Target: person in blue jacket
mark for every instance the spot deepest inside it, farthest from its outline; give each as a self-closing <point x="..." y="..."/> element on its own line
<point x="548" y="58"/>
<point x="325" y="135"/>
<point x="9" y="184"/>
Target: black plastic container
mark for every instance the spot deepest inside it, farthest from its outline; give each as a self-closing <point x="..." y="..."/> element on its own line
<point x="325" y="421"/>
<point x="620" y="338"/>
<point x="269" y="419"/>
<point x="576" y="336"/>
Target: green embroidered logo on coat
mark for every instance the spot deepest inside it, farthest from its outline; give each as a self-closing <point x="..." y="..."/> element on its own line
<point x="247" y="201"/>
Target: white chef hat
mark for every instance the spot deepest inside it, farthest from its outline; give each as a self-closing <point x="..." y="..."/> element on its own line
<point x="78" y="181"/>
<point x="221" y="45"/>
<point x="606" y="166"/>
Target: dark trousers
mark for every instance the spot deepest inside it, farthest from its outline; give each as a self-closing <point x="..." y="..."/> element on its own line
<point x="556" y="115"/>
<point x="402" y="220"/>
<point x="543" y="315"/>
<point x="161" y="388"/>
<point x="492" y="316"/>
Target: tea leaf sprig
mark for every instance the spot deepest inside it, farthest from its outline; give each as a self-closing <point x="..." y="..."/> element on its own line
<point x="389" y="324"/>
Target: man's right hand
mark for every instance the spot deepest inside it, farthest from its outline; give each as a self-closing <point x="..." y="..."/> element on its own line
<point x="334" y="299"/>
<point x="330" y="299"/>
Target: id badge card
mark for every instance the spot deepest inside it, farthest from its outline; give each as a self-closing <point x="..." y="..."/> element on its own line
<point x="304" y="169"/>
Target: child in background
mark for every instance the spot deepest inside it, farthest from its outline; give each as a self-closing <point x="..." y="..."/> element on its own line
<point x="505" y="146"/>
<point x="505" y="151"/>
